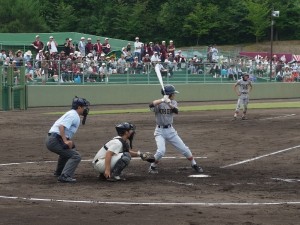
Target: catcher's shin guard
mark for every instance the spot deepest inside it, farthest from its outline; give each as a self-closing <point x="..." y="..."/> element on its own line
<point x="121" y="164"/>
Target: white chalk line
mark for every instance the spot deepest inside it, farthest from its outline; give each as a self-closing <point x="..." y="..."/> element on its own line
<point x="85" y="160"/>
<point x="277" y="117"/>
<point x="259" y="157"/>
<point x="287" y="180"/>
<point x="153" y="203"/>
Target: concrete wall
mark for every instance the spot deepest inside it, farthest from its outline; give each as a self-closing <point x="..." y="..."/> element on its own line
<point x="61" y="95"/>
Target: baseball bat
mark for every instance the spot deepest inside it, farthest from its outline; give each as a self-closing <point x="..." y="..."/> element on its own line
<point x="158" y="74"/>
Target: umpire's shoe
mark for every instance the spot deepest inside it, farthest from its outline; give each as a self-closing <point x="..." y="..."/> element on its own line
<point x="64" y="179"/>
<point x="197" y="168"/>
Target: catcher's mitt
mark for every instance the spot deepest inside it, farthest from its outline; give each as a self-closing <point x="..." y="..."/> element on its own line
<point x="148" y="156"/>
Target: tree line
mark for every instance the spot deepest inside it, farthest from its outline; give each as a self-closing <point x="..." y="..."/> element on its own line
<point x="188" y="22"/>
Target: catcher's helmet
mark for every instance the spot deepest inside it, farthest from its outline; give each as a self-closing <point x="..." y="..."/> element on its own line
<point x="169" y="89"/>
<point x="79" y="102"/>
<point x="245" y="74"/>
<point x="123" y="127"/>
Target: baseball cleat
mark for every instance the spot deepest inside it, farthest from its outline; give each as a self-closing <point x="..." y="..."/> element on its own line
<point x="115" y="178"/>
<point x="244" y="118"/>
<point x="197" y="168"/>
<point x="64" y="179"/>
<point x="152" y="170"/>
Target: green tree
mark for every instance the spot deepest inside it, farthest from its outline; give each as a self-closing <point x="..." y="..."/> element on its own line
<point x="21" y="17"/>
<point x="259" y="17"/>
<point x="201" y="21"/>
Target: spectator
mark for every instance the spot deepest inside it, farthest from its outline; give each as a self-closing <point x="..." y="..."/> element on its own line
<point x="98" y="48"/>
<point x="163" y="51"/>
<point x="28" y="56"/>
<point x="81" y="46"/>
<point x="89" y="47"/>
<point x="103" y="72"/>
<point x="37" y="44"/>
<point x="128" y="47"/>
<point x="11" y="55"/>
<point x="121" y="64"/>
<point x="52" y="45"/>
<point x="171" y="48"/>
<point x="67" y="46"/>
<point x="2" y="57"/>
<point x="19" y="58"/>
<point x="136" y="66"/>
<point x="156" y="48"/>
<point x="155" y="58"/>
<point x="29" y="72"/>
<point x="214" y="53"/>
<point x="106" y="46"/>
<point x="146" y="64"/>
<point x="138" y="48"/>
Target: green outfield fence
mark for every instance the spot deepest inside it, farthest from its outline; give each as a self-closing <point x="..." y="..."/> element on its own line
<point x="12" y="89"/>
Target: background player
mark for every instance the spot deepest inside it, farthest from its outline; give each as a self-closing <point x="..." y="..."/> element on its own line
<point x="242" y="88"/>
<point x="59" y="140"/>
<point x="164" y="110"/>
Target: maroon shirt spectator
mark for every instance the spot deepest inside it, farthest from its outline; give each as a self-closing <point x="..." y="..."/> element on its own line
<point x="37" y="44"/>
<point x="171" y="48"/>
<point x="98" y="47"/>
<point x="106" y="46"/>
<point x="89" y="46"/>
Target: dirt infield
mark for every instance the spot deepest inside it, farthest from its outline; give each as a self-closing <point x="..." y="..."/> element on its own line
<point x="253" y="168"/>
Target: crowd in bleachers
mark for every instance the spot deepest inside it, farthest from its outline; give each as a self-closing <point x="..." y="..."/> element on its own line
<point x="91" y="62"/>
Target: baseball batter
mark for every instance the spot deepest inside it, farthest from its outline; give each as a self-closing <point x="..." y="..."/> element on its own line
<point x="59" y="140"/>
<point x="242" y="88"/>
<point x="164" y="110"/>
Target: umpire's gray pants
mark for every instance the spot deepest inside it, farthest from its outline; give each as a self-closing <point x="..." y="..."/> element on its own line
<point x="68" y="159"/>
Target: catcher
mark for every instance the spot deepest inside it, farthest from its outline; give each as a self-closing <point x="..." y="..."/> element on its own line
<point x="116" y="154"/>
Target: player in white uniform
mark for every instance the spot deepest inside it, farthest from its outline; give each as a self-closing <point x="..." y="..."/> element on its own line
<point x="59" y="140"/>
<point x="116" y="154"/>
<point x="242" y="88"/>
<point x="164" y="110"/>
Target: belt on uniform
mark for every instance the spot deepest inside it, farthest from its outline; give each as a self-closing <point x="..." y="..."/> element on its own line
<point x="164" y="126"/>
<point x="244" y="92"/>
<point x="54" y="135"/>
<point x="96" y="161"/>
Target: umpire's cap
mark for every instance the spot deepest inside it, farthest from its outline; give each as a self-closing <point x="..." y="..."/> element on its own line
<point x="123" y="127"/>
<point x="79" y="102"/>
<point x="169" y="89"/>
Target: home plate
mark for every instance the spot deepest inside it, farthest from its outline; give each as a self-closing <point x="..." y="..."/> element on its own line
<point x="199" y="175"/>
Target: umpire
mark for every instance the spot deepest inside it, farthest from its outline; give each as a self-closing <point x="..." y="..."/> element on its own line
<point x="59" y="140"/>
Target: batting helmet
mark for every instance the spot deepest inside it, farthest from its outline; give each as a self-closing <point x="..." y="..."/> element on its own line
<point x="123" y="127"/>
<point x="79" y="102"/>
<point x="245" y="74"/>
<point x="169" y="89"/>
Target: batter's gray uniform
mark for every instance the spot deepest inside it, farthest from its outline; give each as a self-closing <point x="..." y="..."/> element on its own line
<point x="165" y="131"/>
<point x="164" y="110"/>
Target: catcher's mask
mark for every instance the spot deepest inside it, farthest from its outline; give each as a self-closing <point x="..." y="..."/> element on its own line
<point x="168" y="90"/>
<point x="126" y="126"/>
<point x="83" y="103"/>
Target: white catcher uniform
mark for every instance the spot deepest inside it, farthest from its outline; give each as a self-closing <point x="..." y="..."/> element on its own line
<point x="114" y="145"/>
<point x="244" y="86"/>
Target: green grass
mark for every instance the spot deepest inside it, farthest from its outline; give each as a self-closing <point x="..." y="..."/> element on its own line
<point x="270" y="105"/>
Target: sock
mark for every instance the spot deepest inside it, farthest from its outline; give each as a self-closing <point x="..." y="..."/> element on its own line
<point x="153" y="164"/>
<point x="193" y="162"/>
